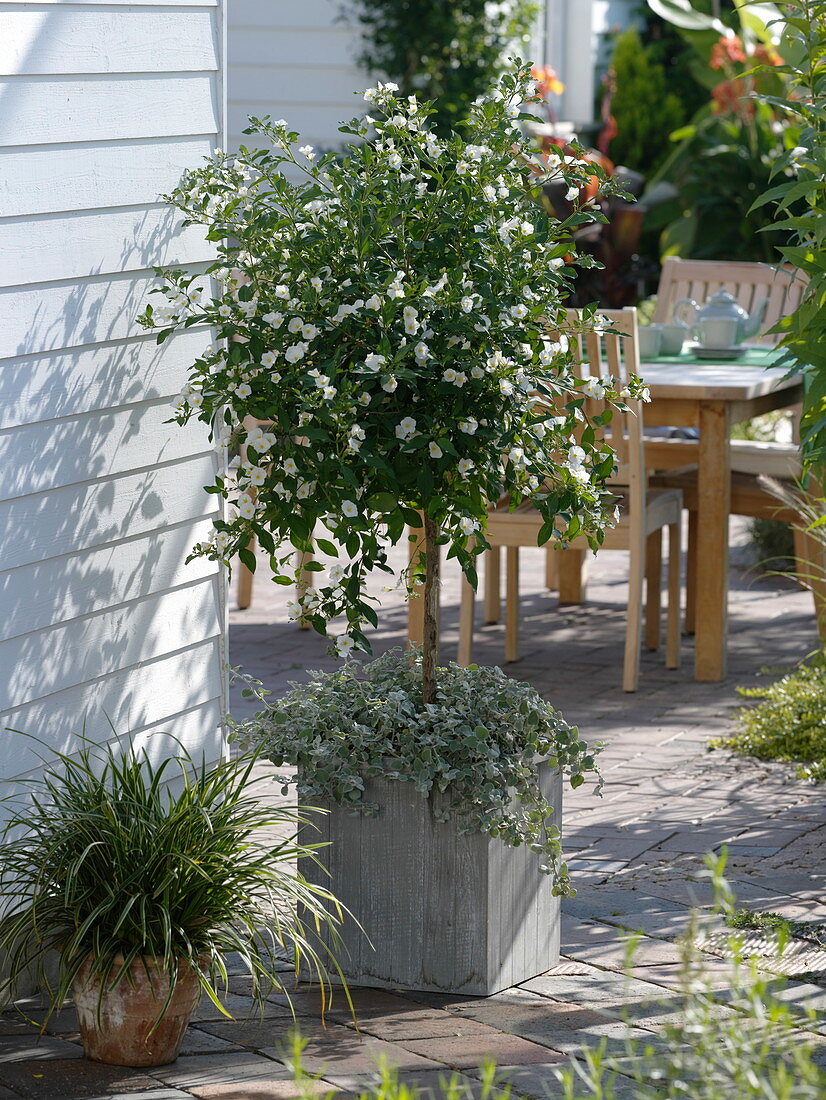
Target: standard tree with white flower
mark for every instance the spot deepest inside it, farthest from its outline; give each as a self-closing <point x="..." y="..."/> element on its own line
<point x="393" y="321"/>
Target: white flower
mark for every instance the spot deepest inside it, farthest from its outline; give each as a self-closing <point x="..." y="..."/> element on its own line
<point x="580" y="474"/>
<point x="395" y="290"/>
<point x="295" y="325"/>
<point x="349" y="509"/>
<point x="489" y="192"/>
<point x="316" y="283"/>
<point x="645" y="394"/>
<point x="505" y="387"/>
<point x="309" y="332"/>
<point x="305" y="489"/>
<point x="465" y="466"/>
<point x="477" y="372"/>
<point x="435" y="450"/>
<point x="517" y="456"/>
<point x="335" y="574"/>
<point x="223" y="311"/>
<point x="467" y="304"/>
<point x="268" y="358"/>
<point x="290" y="466"/>
<point x="282" y="291"/>
<point x="576" y="456"/>
<point x="246" y="506"/>
<point x="256" y="476"/>
<point x="374" y="362"/>
<point x="422" y="352"/>
<point x="394" y="160"/>
<point x="593" y="387"/>
<point x="373" y="302"/>
<point x="449" y="375"/>
<point x="468" y="426"/>
<point x="572" y="194"/>
<point x="519" y="312"/>
<point x="467" y="526"/>
<point x="344" y="646"/>
<point x="242" y="390"/>
<point x="364" y="399"/>
<point x="295" y="353"/>
<point x="405" y="428"/>
<point x="274" y="319"/>
<point x="307" y="151"/>
<point x="328" y="393"/>
<point x="462" y="168"/>
<point x="411" y="320"/>
<point x="391" y="385"/>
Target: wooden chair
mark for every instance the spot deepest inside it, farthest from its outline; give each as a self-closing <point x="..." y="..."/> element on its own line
<point x="643" y="515"/>
<point x="748" y="283"/>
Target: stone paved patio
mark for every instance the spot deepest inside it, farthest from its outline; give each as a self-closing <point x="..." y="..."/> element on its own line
<point x="633" y="854"/>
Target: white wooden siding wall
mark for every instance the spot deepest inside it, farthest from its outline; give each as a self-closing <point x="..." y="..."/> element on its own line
<point x="102" y="106"/>
<point x="292" y="59"/>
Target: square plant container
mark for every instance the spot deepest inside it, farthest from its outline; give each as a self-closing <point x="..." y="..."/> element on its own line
<point x="444" y="912"/>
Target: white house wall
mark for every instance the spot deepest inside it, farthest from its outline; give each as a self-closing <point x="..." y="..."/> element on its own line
<point x="292" y="59"/>
<point x="102" y="106"/>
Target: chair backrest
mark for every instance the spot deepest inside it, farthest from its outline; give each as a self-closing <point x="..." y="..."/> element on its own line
<point x="615" y="355"/>
<point x="749" y="283"/>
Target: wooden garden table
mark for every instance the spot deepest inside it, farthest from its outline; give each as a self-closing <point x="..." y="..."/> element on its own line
<point x="712" y="397"/>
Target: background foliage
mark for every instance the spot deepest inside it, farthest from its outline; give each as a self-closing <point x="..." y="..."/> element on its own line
<point x="450" y="53"/>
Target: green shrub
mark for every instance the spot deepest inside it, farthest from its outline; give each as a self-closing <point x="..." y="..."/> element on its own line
<point x="790" y="723"/>
<point x="774" y="542"/>
<point x="644" y="108"/>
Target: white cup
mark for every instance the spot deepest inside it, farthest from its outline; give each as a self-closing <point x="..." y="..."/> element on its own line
<point x="650" y="339"/>
<point x="718" y="333"/>
<point x="672" y="338"/>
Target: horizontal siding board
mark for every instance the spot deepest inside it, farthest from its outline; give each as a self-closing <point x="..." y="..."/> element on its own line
<point x="74" y="40"/>
<point x="39" y="319"/>
<point x="134" y="698"/>
<point x="283" y="85"/>
<point x="278" y="45"/>
<point x="50" y="660"/>
<point x="316" y="124"/>
<point x="46" y="525"/>
<point x="40" y="110"/>
<point x="306" y="15"/>
<point x="40" y="457"/>
<point x="68" y="383"/>
<point x="32" y="249"/>
<point x="35" y="597"/>
<point x="64" y="178"/>
<point x="12" y="4"/>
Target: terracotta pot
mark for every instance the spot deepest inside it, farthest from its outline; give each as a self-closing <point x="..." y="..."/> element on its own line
<point x="131" y="1028"/>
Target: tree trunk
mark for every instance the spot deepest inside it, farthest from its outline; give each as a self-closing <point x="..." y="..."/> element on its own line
<point x="430" y="635"/>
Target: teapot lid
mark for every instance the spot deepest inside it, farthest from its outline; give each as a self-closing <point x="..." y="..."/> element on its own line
<point x="721" y="305"/>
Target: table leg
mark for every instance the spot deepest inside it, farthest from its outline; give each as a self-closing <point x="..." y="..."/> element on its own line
<point x="713" y="500"/>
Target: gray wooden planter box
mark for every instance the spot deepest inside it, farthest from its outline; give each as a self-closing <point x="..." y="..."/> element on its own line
<point x="444" y="912"/>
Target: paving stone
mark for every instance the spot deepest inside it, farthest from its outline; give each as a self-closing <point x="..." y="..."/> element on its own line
<point x="197" y="1041"/>
<point x="430" y="1084"/>
<point x="28" y="1048"/>
<point x="76" y="1079"/>
<point x="360" y="1054"/>
<point x="399" y="1026"/>
<point x="239" y="1007"/>
<point x="220" y="1069"/>
<point x="472" y="1050"/>
<point x="269" y="1088"/>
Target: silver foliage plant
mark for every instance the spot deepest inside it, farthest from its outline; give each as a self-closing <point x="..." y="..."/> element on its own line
<point x="481" y="741"/>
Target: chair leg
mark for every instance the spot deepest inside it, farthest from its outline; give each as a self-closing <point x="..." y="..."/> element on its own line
<point x="466" y="609"/>
<point x="633" y="630"/>
<point x="672" y="636"/>
<point x="493" y="598"/>
<point x="812" y="568"/>
<point x="573" y="575"/>
<point x="802" y="556"/>
<point x="653" y="588"/>
<point x="244" y="593"/>
<point x="512" y="605"/>
<point x="551" y="569"/>
<point x="305" y="581"/>
<point x="691" y="575"/>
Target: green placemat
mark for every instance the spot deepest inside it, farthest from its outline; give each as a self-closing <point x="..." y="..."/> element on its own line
<point x="751" y="357"/>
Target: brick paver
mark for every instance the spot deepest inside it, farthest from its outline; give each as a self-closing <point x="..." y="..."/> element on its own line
<point x="634" y="857"/>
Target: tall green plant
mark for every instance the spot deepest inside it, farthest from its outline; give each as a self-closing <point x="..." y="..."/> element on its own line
<point x="102" y="858"/>
<point x="450" y="53"/>
<point x="800" y="200"/>
<point x="394" y="319"/>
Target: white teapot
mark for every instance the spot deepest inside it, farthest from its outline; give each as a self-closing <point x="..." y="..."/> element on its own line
<point x="721" y="322"/>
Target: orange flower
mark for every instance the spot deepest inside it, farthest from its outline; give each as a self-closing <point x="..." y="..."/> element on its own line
<point x="726" y="50"/>
<point x="546" y="81"/>
<point x="767" y="55"/>
<point x="729" y="96"/>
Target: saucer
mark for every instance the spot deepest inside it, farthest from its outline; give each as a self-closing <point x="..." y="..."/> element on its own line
<point x="702" y="351"/>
